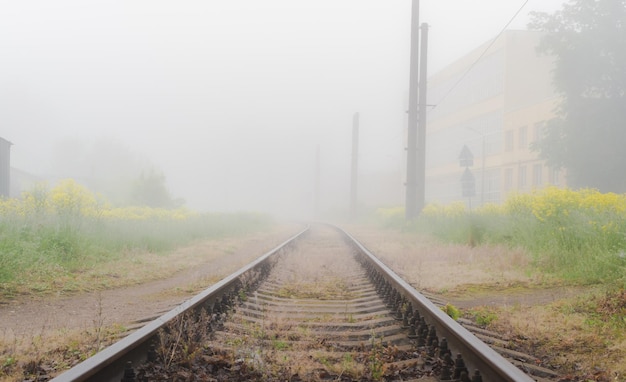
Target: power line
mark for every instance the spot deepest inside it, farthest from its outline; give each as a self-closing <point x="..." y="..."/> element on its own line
<point x="481" y="55"/>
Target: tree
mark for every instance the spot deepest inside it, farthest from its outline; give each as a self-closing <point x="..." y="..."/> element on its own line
<point x="150" y="190"/>
<point x="588" y="136"/>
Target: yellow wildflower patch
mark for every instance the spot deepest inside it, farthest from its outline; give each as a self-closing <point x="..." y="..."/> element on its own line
<point x="70" y="199"/>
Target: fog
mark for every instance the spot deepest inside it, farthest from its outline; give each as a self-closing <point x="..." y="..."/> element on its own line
<point x="228" y="99"/>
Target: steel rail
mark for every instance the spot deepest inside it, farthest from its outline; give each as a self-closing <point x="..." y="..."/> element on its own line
<point x="476" y="354"/>
<point x="109" y="364"/>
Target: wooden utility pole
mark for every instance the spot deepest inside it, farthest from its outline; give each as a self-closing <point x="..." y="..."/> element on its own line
<point x="411" y="208"/>
<point x="355" y="165"/>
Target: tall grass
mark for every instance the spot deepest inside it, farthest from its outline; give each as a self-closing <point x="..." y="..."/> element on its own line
<point x="47" y="234"/>
<point x="577" y="235"/>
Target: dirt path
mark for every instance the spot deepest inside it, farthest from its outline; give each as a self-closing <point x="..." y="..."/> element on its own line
<point x="38" y="316"/>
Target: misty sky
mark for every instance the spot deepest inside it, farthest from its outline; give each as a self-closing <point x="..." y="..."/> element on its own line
<point x="228" y="98"/>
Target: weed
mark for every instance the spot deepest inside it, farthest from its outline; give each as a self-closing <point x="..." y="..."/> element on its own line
<point x="452" y="311"/>
<point x="279" y="344"/>
<point x="99" y="322"/>
<point x="182" y="339"/>
<point x="376" y="358"/>
<point x="484" y="315"/>
<point x="7" y="363"/>
<point x="242" y="295"/>
<point x="349" y="316"/>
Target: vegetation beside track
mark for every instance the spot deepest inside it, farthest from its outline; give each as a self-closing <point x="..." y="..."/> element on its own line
<point x="68" y="239"/>
<point x="575" y="238"/>
<point x="575" y="235"/>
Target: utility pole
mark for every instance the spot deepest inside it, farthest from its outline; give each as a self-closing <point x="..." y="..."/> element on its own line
<point x="355" y="165"/>
<point x="411" y="208"/>
<point x="316" y="207"/>
<point x="5" y="168"/>
<point x="483" y="136"/>
<point x="421" y="126"/>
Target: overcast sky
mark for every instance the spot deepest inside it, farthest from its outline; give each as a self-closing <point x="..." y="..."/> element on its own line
<point x="229" y="98"/>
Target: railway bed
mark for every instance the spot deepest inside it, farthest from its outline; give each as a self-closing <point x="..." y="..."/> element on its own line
<point x="318" y="307"/>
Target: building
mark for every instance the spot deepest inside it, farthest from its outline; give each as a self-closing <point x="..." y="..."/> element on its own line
<point x="496" y="101"/>
<point x="23" y="181"/>
<point x="5" y="168"/>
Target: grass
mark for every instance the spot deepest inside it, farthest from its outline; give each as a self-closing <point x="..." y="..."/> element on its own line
<point x="66" y="239"/>
<point x="33" y="357"/>
<point x="582" y="336"/>
<point x="51" y="260"/>
<point x="546" y="238"/>
<point x="574" y="235"/>
<point x="323" y="288"/>
<point x="451" y="311"/>
<point x="527" y="241"/>
<point x="483" y="316"/>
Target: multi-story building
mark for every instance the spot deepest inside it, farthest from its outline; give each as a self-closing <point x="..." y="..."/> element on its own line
<point x="496" y="101"/>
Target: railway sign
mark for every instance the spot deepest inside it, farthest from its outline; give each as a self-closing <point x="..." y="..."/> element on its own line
<point x="468" y="184"/>
<point x="466" y="158"/>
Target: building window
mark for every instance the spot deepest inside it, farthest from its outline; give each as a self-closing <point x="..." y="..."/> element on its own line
<point x="492" y="184"/>
<point x="521" y="175"/>
<point x="522" y="142"/>
<point x="555" y="175"/>
<point x="537" y="174"/>
<point x="538" y="130"/>
<point x="508" y="179"/>
<point x="508" y="141"/>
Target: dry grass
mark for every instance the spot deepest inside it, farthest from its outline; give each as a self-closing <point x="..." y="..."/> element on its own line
<point x="138" y="267"/>
<point x="317" y="272"/>
<point x="536" y="311"/>
<point x="277" y="348"/>
<point x="562" y="335"/>
<point x="39" y="356"/>
<point x="147" y="279"/>
<point x="432" y="266"/>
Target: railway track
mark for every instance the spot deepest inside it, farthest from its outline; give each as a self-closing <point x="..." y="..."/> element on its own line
<point x="318" y="307"/>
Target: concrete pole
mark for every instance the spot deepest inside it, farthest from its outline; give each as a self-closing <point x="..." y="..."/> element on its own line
<point x="421" y="130"/>
<point x="411" y="211"/>
<point x="316" y="207"/>
<point x="482" y="174"/>
<point x="355" y="166"/>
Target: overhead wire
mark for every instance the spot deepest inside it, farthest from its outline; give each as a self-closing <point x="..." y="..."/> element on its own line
<point x="481" y="55"/>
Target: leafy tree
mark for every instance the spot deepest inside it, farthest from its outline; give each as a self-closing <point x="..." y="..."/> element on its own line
<point x="150" y="190"/>
<point x="588" y="137"/>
